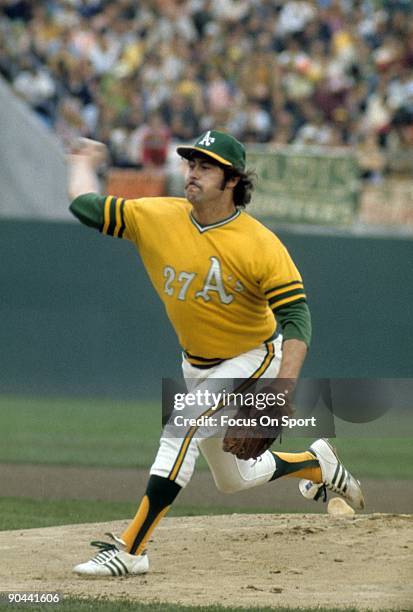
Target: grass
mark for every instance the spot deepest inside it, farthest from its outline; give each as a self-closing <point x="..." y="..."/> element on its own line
<point x="70" y="604"/>
<point x="109" y="433"/>
<point x="78" y="432"/>
<point x="25" y="513"/>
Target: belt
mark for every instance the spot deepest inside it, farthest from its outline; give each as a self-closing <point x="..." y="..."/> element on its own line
<point x="277" y="333"/>
<point x="204" y="363"/>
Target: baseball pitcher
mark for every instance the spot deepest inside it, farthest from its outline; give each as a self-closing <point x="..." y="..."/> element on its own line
<point x="238" y="306"/>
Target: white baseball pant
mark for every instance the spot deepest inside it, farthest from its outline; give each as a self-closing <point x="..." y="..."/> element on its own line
<point x="176" y="457"/>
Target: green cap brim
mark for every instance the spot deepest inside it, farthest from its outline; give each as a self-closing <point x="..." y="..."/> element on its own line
<point x="187" y="153"/>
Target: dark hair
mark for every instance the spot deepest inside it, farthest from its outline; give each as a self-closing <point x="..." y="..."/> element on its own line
<point x="245" y="186"/>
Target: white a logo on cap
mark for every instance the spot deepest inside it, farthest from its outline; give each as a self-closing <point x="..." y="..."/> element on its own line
<point x="207" y="139"/>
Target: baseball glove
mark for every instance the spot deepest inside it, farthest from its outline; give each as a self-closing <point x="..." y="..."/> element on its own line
<point x="252" y="431"/>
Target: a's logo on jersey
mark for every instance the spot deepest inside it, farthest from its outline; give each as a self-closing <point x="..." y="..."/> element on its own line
<point x="207" y="139"/>
<point x="213" y="282"/>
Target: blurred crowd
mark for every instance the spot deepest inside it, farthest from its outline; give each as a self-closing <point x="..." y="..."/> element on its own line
<point x="138" y="75"/>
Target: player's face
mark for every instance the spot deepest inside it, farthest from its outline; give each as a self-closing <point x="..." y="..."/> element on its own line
<point x="203" y="181"/>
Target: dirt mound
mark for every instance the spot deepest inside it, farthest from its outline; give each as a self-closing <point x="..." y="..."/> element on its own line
<point x="248" y="560"/>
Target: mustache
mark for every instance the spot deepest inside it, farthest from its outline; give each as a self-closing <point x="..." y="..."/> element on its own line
<point x="192" y="183"/>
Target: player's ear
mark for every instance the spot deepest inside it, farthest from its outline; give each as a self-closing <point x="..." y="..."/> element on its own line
<point x="231" y="180"/>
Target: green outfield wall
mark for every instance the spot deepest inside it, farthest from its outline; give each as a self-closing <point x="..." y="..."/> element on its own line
<point x="79" y="316"/>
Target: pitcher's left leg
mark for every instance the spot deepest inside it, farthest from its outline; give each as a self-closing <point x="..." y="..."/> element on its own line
<point x="231" y="474"/>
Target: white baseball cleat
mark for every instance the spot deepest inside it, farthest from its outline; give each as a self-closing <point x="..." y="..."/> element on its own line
<point x="336" y="477"/>
<point x="111" y="561"/>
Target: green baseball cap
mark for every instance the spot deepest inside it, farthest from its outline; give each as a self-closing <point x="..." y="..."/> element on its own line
<point x="222" y="147"/>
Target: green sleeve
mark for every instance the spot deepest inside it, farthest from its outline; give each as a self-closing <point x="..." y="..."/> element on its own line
<point x="295" y="321"/>
<point x="89" y="209"/>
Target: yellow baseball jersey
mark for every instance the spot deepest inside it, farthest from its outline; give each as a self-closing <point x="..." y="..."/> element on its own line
<point x="219" y="283"/>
